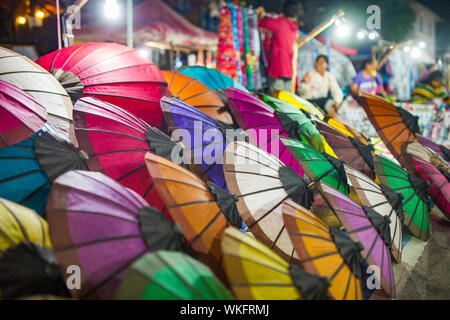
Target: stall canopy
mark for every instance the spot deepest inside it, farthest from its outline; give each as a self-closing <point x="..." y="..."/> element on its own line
<point x="154" y="21"/>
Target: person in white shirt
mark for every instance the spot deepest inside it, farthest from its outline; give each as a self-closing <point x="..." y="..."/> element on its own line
<point x="320" y="87"/>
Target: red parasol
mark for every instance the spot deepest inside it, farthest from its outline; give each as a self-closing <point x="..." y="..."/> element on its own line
<point x="111" y="72"/>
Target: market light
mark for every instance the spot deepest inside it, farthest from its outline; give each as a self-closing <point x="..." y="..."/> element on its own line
<point x="416" y="53"/>
<point x="39" y="14"/>
<point x="407" y="49"/>
<point x="422" y="44"/>
<point x="21" y="20"/>
<point x="143" y="53"/>
<point x="360" y="35"/>
<point x="343" y="30"/>
<point x="111" y="9"/>
<point x="372" y="35"/>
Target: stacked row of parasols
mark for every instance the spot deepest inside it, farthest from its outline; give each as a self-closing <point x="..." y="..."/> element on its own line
<point x="119" y="181"/>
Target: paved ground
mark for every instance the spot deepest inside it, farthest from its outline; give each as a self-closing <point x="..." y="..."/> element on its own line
<point x="424" y="272"/>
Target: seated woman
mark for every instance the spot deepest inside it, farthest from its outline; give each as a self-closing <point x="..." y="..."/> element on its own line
<point x="368" y="80"/>
<point x="431" y="90"/>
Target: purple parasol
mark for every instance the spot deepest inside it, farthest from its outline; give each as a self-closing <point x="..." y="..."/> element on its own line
<point x="102" y="227"/>
<point x="365" y="225"/>
<point x="203" y="135"/>
<point x="262" y="125"/>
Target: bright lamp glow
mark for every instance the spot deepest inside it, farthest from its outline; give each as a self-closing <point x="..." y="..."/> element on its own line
<point x="338" y="22"/>
<point x="39" y="14"/>
<point x="360" y="35"/>
<point x="111" y="9"/>
<point x="143" y="53"/>
<point x="343" y="30"/>
<point x="407" y="49"/>
<point x="372" y="35"/>
<point x="416" y="53"/>
<point x="422" y="44"/>
<point x="21" y="20"/>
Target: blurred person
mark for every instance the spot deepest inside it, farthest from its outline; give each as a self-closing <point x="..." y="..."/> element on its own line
<point x="368" y="80"/>
<point x="284" y="31"/>
<point x="320" y="87"/>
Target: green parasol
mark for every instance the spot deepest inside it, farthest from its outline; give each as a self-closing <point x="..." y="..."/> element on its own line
<point x="414" y="192"/>
<point x="298" y="120"/>
<point x="318" y="166"/>
<point x="170" y="275"/>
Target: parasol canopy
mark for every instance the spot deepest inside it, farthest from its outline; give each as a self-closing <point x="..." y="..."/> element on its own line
<point x="414" y="191"/>
<point x="345" y="129"/>
<point x="20" y="224"/>
<point x="214" y="79"/>
<point x="204" y="136"/>
<point x="102" y="227"/>
<point x="439" y="185"/>
<point x="318" y="166"/>
<point x="394" y="125"/>
<point x="384" y="201"/>
<point x="27" y="169"/>
<point x="20" y="115"/>
<point x="110" y="72"/>
<point x="28" y="76"/>
<point x="195" y="93"/>
<point x="109" y="134"/>
<point x="427" y="154"/>
<point x="300" y="103"/>
<point x="325" y="252"/>
<point x="25" y="254"/>
<point x="170" y="275"/>
<point x="368" y="227"/>
<point x="356" y="154"/>
<point x="261" y="124"/>
<point x="298" y="124"/>
<point x="262" y="182"/>
<point x="438" y="148"/>
<point x="203" y="210"/>
<point x="257" y="273"/>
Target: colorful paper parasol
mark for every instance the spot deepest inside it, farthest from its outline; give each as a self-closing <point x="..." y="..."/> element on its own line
<point x="259" y="121"/>
<point x="257" y="273"/>
<point x="203" y="135"/>
<point x="28" y="168"/>
<point x="414" y="191"/>
<point x="214" y="79"/>
<point x="170" y="275"/>
<point x="439" y="149"/>
<point x="355" y="153"/>
<point x="300" y="103"/>
<point x="21" y="115"/>
<point x="27" y="265"/>
<point x="262" y="182"/>
<point x="394" y="125"/>
<point x="116" y="142"/>
<point x="110" y="72"/>
<point x="365" y="225"/>
<point x="202" y="210"/>
<point x="384" y="201"/>
<point x="318" y="166"/>
<point x="102" y="227"/>
<point x="347" y="130"/>
<point x="28" y="76"/>
<point x="439" y="185"/>
<point x="422" y="152"/>
<point x="297" y="123"/>
<point x="325" y="252"/>
<point x="196" y="94"/>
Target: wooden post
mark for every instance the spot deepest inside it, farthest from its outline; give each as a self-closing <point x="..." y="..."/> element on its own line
<point x="302" y="41"/>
